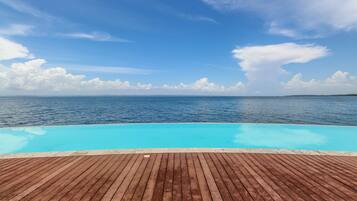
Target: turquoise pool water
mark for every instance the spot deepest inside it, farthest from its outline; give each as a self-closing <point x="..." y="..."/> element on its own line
<point x="129" y="136"/>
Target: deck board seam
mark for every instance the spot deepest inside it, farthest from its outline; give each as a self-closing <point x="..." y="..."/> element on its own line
<point x="68" y="175"/>
<point x="95" y="177"/>
<point x="286" y="187"/>
<point x="307" y="180"/>
<point x="110" y="192"/>
<point x="111" y="172"/>
<point x="43" y="181"/>
<point x="263" y="194"/>
<point x="331" y="184"/>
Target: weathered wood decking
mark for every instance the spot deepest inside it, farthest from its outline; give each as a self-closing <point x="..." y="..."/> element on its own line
<point x="180" y="176"/>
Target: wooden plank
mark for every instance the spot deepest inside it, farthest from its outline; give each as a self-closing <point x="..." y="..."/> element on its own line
<point x="305" y="182"/>
<point x="167" y="196"/>
<point x="218" y="180"/>
<point x="6" y="161"/>
<point x="324" y="179"/>
<point x="113" y="188"/>
<point x="177" y="188"/>
<point x="180" y="176"/>
<point x="144" y="181"/>
<point x="13" y="164"/>
<point x="23" y="170"/>
<point x="129" y="177"/>
<point x="225" y="178"/>
<point x="334" y="161"/>
<point x="254" y="179"/>
<point x="185" y="179"/>
<point x="202" y="183"/>
<point x="296" y="180"/>
<point x="87" y="179"/>
<point x="56" y="192"/>
<point x="335" y="169"/>
<point x="129" y="193"/>
<point x="236" y="181"/>
<point x="105" y="175"/>
<point x="350" y="161"/>
<point x="17" y="175"/>
<point x="195" y="190"/>
<point x="7" y="189"/>
<point x="118" y="168"/>
<point x="260" y="179"/>
<point x="314" y="176"/>
<point x="45" y="179"/>
<point x="150" y="187"/>
<point x="37" y="177"/>
<point x="60" y="181"/>
<point x="216" y="196"/>
<point x="160" y="181"/>
<point x="242" y="175"/>
<point x="285" y="188"/>
<point x="275" y="192"/>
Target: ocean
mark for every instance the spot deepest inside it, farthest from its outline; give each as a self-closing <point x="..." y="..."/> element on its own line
<point x="41" y="111"/>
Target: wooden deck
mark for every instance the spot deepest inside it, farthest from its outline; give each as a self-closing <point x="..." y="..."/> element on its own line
<point x="180" y="176"/>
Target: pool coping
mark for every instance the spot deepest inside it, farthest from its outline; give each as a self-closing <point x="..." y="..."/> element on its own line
<point x="175" y="150"/>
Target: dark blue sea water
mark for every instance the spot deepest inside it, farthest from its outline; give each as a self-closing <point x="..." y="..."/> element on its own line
<point x="30" y="111"/>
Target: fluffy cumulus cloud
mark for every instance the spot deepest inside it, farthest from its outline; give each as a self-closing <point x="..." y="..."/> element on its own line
<point x="296" y="18"/>
<point x="12" y="50"/>
<point x="263" y="65"/>
<point x="338" y="83"/>
<point x="32" y="78"/>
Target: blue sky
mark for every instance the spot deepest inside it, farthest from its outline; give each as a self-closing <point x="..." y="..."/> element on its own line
<point x="215" y="47"/>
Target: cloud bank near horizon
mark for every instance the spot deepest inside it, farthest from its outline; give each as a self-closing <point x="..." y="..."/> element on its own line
<point x="263" y="66"/>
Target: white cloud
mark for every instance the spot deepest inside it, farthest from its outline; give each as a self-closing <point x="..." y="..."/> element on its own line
<point x="32" y="77"/>
<point x="338" y="83"/>
<point x="95" y="36"/>
<point x="16" y="29"/>
<point x="204" y="85"/>
<point x="11" y="50"/>
<point x="263" y="65"/>
<point x="313" y="17"/>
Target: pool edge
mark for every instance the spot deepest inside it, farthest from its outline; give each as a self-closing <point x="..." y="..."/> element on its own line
<point x="175" y="150"/>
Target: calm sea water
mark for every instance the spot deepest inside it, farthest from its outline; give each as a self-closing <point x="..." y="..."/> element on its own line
<point x="32" y="111"/>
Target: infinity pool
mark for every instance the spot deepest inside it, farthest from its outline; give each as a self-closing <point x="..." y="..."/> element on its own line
<point x="130" y="136"/>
